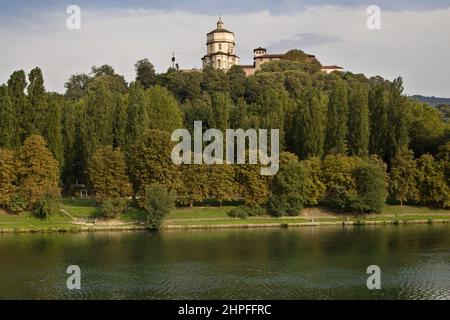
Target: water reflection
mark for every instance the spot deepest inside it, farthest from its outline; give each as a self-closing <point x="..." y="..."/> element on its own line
<point x="303" y="263"/>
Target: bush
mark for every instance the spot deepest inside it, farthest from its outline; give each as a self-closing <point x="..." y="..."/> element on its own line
<point x="112" y="208"/>
<point x="157" y="202"/>
<point x="371" y="188"/>
<point x="247" y="211"/>
<point x="289" y="190"/>
<point x="17" y="204"/>
<point x="45" y="207"/>
<point x="285" y="205"/>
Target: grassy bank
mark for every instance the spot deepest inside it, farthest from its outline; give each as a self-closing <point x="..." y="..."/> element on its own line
<point x="80" y="215"/>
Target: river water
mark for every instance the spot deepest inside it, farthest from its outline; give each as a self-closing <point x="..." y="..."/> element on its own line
<point x="296" y="263"/>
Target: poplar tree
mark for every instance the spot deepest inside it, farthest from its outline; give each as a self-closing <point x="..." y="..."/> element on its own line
<point x="137" y="119"/>
<point x="53" y="128"/>
<point x="7" y="118"/>
<point x="310" y="125"/>
<point x="337" y="115"/>
<point x="34" y="115"/>
<point x="16" y="87"/>
<point x="358" y="122"/>
<point x="163" y="110"/>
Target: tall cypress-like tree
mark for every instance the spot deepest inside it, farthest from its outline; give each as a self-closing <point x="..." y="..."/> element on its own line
<point x="378" y="120"/>
<point x="34" y="115"/>
<point x="7" y="118"/>
<point x="16" y="87"/>
<point x="358" y="122"/>
<point x="53" y="128"/>
<point x="337" y="115"/>
<point x="398" y="120"/>
<point x="97" y="121"/>
<point x="310" y="124"/>
<point x="221" y="107"/>
<point x="137" y="122"/>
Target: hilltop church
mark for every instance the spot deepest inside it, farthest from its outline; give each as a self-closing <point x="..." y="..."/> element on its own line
<point x="221" y="53"/>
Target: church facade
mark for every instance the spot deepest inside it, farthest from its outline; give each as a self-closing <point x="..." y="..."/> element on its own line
<point x="221" y="53"/>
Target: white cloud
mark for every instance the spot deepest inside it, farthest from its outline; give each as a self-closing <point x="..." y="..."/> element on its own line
<point x="413" y="44"/>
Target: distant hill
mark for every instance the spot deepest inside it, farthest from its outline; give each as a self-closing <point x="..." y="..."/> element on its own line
<point x="434" y="101"/>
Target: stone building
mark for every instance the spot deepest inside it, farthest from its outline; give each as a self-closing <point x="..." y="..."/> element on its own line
<point x="220" y="53"/>
<point x="220" y="48"/>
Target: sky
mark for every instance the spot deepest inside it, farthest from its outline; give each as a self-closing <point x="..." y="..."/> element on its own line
<point x="413" y="42"/>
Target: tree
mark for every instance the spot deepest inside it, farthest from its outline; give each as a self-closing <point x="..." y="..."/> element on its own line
<point x="236" y="78"/>
<point x="157" y="201"/>
<point x="37" y="171"/>
<point x="378" y="121"/>
<point x="358" y="122"/>
<point x="163" y="110"/>
<point x="398" y="120"/>
<point x="151" y="161"/>
<point x="221" y="107"/>
<point x="337" y="115"/>
<point x="7" y="177"/>
<point x="145" y="73"/>
<point x="309" y="125"/>
<point x="289" y="192"/>
<point x="195" y="185"/>
<point x="97" y="120"/>
<point x="314" y="186"/>
<point x="341" y="190"/>
<point x="404" y="174"/>
<point x="16" y="87"/>
<point x="107" y="173"/>
<point x="370" y="181"/>
<point x="53" y="128"/>
<point x="138" y="121"/>
<point x="7" y="118"/>
<point x="431" y="182"/>
<point x="35" y="113"/>
<point x="77" y="86"/>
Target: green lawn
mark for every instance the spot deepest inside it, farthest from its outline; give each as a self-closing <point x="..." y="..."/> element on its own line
<point x="85" y="209"/>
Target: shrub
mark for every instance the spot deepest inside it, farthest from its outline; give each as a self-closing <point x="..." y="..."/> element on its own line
<point x="246" y="211"/>
<point x="157" y="202"/>
<point x="17" y="204"/>
<point x="45" y="207"/>
<point x="289" y="190"/>
<point x="371" y="188"/>
<point x="112" y="208"/>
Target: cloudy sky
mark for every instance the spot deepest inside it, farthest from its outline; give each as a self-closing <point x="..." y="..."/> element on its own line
<point x="414" y="40"/>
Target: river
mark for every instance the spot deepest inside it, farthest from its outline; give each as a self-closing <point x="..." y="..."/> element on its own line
<point x="296" y="263"/>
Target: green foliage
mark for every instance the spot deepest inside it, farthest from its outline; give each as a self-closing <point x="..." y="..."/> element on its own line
<point x="151" y="161"/>
<point x="7" y="118"/>
<point x="289" y="192"/>
<point x="112" y="207"/>
<point x="310" y="125"/>
<point x="403" y="178"/>
<point x="432" y="186"/>
<point x="37" y="171"/>
<point x="17" y="204"/>
<point x="157" y="202"/>
<point x="358" y="122"/>
<point x="163" y="110"/>
<point x="337" y="115"/>
<point x="107" y="173"/>
<point x="45" y="207"/>
<point x="243" y="212"/>
<point x="370" y="181"/>
<point x="7" y="177"/>
<point x="145" y="73"/>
